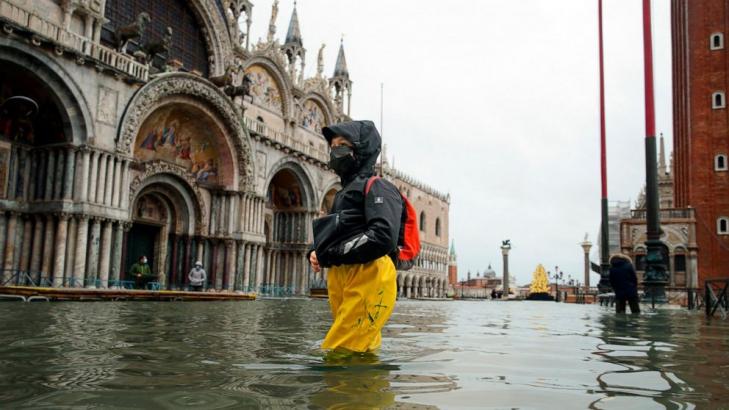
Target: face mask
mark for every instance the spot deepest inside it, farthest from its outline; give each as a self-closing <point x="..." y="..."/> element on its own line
<point x="144" y="261"/>
<point x="342" y="161"/>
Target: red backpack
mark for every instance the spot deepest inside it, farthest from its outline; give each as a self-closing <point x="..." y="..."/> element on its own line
<point x="408" y="241"/>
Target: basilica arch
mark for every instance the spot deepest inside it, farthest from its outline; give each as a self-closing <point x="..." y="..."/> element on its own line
<point x="179" y="89"/>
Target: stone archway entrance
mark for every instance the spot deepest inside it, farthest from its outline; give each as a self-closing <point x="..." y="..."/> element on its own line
<point x="162" y="226"/>
<point x="288" y="207"/>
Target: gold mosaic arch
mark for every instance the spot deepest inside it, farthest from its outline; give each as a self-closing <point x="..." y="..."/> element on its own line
<point x="154" y="94"/>
<point x="279" y="78"/>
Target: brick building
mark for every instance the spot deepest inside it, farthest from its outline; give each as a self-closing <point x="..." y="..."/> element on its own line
<point x="701" y="145"/>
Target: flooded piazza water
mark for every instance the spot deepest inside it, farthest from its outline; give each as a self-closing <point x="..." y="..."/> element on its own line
<point x="264" y="354"/>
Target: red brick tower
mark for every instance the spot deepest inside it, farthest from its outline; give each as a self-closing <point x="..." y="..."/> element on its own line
<point x="701" y="131"/>
<point x="452" y="266"/>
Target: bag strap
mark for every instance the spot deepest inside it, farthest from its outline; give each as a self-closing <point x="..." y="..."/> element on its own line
<point x="370" y="181"/>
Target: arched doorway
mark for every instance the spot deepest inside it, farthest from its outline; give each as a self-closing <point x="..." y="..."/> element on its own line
<point x="288" y="205"/>
<point x="163" y="222"/>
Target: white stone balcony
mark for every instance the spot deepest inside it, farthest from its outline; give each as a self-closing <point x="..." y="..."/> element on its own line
<point x="285" y="140"/>
<point x="45" y="30"/>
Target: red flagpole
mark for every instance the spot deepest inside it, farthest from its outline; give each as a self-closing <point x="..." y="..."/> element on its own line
<point x="604" y="285"/>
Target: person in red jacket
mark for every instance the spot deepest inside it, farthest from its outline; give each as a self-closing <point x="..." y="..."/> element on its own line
<point x="362" y="240"/>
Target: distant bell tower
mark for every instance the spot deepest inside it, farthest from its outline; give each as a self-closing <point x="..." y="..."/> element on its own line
<point x="452" y="265"/>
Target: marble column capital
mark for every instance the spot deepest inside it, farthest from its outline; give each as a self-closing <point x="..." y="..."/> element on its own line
<point x="64" y="216"/>
<point x="127" y="226"/>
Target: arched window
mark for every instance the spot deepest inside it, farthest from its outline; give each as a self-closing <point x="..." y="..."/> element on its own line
<point x="437" y="226"/>
<point x="422" y="221"/>
<point x="720" y="163"/>
<point x="717" y="100"/>
<point x="722" y="225"/>
<point x="717" y="41"/>
<point x="188" y="40"/>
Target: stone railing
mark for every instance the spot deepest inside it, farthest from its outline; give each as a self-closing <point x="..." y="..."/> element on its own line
<point x="46" y="30"/>
<point x="665" y="214"/>
<point x="397" y="174"/>
<point x="285" y="140"/>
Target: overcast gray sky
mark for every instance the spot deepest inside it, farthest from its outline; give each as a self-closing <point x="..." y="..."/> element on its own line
<point x="496" y="102"/>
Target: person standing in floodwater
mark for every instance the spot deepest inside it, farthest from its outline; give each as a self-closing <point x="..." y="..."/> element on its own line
<point x="624" y="281"/>
<point x="357" y="240"/>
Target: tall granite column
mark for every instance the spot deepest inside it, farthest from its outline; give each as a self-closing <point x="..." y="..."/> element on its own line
<point x="79" y="268"/>
<point x="505" y="248"/>
<point x="60" y="250"/>
<point x="586" y="245"/>
<point x="71" y="234"/>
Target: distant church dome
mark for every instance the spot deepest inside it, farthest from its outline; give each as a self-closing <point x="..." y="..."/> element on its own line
<point x="489" y="273"/>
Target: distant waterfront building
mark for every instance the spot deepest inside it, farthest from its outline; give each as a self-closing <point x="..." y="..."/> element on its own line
<point x="132" y="128"/>
<point x="701" y="124"/>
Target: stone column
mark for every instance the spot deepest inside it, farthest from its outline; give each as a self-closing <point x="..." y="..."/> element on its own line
<point x="240" y="266"/>
<point x="27" y="241"/>
<point x="79" y="265"/>
<point x="505" y="253"/>
<point x="160" y="269"/>
<point x="92" y="261"/>
<point x="213" y="216"/>
<point x="109" y="188"/>
<point x="247" y="267"/>
<point x="50" y="172"/>
<point x="48" y="246"/>
<point x="671" y="268"/>
<point x="105" y="256"/>
<point x="125" y="186"/>
<point x="72" y="233"/>
<point x="60" y="251"/>
<point x="33" y="175"/>
<point x="27" y="159"/>
<point x="3" y="232"/>
<point x="116" y="186"/>
<point x="92" y="187"/>
<point x="68" y="175"/>
<point x="101" y="180"/>
<point x="586" y="245"/>
<point x="37" y="252"/>
<point x="10" y="246"/>
<point x="82" y="175"/>
<point x="230" y="274"/>
<point x="59" y="179"/>
<point x="116" y="253"/>
<point x="259" y="265"/>
<point x="200" y="249"/>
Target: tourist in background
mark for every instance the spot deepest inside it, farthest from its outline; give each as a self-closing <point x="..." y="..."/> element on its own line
<point x="142" y="273"/>
<point x="197" y="277"/>
<point x="624" y="282"/>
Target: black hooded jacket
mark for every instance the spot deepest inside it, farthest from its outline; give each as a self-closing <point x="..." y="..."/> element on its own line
<point x="364" y="227"/>
<point x="623" y="278"/>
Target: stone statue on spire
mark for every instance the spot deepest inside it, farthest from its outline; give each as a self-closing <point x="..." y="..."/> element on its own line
<point x="272" y="23"/>
<point x="320" y="61"/>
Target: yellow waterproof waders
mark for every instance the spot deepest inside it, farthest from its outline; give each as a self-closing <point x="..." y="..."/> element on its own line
<point x="361" y="298"/>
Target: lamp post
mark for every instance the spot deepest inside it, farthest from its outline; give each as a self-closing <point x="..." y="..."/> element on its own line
<point x="656" y="275"/>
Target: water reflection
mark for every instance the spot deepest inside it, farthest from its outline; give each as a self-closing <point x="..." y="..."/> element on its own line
<point x="435" y="354"/>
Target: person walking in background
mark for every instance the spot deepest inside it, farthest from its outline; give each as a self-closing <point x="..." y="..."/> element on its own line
<point x="197" y="277"/>
<point x="624" y="281"/>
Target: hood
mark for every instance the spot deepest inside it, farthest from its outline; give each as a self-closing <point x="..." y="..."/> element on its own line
<point x="364" y="137"/>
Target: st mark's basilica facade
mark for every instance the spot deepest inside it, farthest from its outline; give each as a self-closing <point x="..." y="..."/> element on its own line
<point x="158" y="128"/>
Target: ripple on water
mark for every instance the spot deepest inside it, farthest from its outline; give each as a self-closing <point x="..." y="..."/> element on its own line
<point x="265" y="354"/>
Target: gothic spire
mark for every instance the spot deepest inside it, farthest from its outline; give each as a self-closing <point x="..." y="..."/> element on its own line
<point x="293" y="36"/>
<point x="340" y="69"/>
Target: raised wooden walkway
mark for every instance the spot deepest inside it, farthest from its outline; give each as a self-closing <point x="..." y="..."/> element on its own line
<point x="82" y="294"/>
